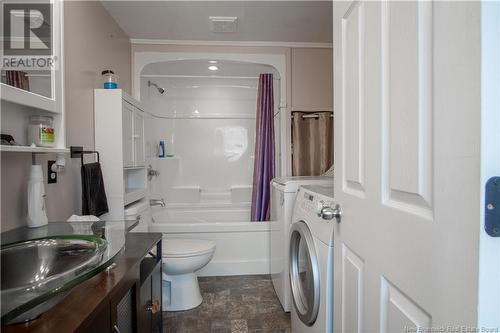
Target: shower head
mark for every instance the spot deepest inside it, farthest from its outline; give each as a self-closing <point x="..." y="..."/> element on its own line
<point x="160" y="89"/>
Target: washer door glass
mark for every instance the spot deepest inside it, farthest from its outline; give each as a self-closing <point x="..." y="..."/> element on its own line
<point x="304" y="273"/>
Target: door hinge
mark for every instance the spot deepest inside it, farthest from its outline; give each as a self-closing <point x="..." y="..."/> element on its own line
<point x="492" y="207"/>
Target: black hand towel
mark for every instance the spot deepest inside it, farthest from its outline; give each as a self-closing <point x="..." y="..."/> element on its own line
<point x="94" y="200"/>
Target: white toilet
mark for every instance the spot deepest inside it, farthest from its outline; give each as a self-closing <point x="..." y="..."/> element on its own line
<point x="181" y="259"/>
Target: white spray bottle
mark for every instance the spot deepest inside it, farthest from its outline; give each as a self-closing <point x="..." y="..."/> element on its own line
<point x="37" y="215"/>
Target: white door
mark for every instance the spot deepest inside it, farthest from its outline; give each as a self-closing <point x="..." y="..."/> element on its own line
<point x="407" y="164"/>
<point x="128" y="134"/>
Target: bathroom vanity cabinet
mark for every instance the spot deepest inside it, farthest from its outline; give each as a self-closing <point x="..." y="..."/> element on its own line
<point x="134" y="306"/>
<point x="125" y="298"/>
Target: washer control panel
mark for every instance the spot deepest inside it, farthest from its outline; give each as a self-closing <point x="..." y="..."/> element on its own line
<point x="309" y="205"/>
<point x="315" y="203"/>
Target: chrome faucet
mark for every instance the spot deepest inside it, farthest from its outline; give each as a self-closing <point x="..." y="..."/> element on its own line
<point x="157" y="202"/>
<point x="152" y="173"/>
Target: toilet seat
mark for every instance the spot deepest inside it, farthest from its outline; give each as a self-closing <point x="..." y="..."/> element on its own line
<point x="182" y="248"/>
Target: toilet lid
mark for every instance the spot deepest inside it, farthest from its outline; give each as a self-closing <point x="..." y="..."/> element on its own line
<point x="186" y="247"/>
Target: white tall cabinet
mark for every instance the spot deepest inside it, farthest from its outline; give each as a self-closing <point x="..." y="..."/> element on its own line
<point x="119" y="138"/>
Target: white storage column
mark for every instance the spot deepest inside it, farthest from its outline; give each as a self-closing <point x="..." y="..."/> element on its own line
<point x="119" y="138"/>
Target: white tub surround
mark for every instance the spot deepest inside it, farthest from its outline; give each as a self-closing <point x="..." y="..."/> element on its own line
<point x="207" y="120"/>
<point x="241" y="193"/>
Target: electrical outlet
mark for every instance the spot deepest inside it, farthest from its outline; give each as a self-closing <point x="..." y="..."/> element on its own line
<point x="51" y="175"/>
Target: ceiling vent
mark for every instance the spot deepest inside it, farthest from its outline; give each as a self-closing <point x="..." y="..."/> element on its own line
<point x="223" y="23"/>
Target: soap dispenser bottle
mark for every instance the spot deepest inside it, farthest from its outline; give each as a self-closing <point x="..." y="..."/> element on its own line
<point x="161" y="149"/>
<point x="37" y="216"/>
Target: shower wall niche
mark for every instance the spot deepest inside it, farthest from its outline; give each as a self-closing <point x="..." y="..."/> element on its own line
<point x="207" y="120"/>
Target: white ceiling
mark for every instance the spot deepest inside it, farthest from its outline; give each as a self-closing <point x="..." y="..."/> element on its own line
<point x="268" y="21"/>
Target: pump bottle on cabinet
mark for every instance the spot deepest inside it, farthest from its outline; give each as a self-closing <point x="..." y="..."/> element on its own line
<point x="37" y="215"/>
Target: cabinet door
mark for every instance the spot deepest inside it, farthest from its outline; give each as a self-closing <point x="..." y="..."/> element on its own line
<point x="100" y="322"/>
<point x="156" y="297"/>
<point x="128" y="134"/>
<point x="139" y="157"/>
<point x="124" y="309"/>
<point x="144" y="313"/>
<point x="150" y="312"/>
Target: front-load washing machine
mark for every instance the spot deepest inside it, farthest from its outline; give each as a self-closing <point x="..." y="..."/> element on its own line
<point x="311" y="261"/>
<point x="284" y="190"/>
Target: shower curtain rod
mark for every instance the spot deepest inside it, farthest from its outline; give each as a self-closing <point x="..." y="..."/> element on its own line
<point x="208" y="117"/>
<point x="308" y="116"/>
<point x="202" y="76"/>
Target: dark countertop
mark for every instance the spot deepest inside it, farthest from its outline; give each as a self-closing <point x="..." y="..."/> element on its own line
<point x="126" y="249"/>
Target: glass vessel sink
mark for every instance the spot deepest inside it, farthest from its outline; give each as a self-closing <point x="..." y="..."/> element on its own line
<point x="33" y="272"/>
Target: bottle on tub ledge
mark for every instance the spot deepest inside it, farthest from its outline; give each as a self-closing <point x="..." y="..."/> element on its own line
<point x="161" y="149"/>
<point x="169" y="151"/>
<point x="164" y="151"/>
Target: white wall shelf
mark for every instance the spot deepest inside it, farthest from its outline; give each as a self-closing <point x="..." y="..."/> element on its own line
<point x="134" y="194"/>
<point x="133" y="168"/>
<point x="26" y="98"/>
<point x="27" y="149"/>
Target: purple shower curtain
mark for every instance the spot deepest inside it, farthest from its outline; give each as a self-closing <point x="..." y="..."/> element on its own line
<point x="263" y="170"/>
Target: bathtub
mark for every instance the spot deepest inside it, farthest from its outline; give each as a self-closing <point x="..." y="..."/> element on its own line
<point x="242" y="246"/>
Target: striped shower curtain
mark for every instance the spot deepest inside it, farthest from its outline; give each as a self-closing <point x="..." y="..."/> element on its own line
<point x="263" y="171"/>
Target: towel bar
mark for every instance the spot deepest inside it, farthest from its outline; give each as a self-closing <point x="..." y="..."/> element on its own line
<point x="77" y="151"/>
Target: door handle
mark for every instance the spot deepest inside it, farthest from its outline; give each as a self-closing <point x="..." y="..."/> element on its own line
<point x="492" y="207"/>
<point x="329" y="213"/>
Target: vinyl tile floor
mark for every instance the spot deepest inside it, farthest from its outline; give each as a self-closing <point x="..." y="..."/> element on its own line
<point x="232" y="304"/>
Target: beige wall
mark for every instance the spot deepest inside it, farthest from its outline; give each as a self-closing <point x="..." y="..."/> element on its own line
<point x="60" y="200"/>
<point x="92" y="42"/>
<point x="312" y="79"/>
